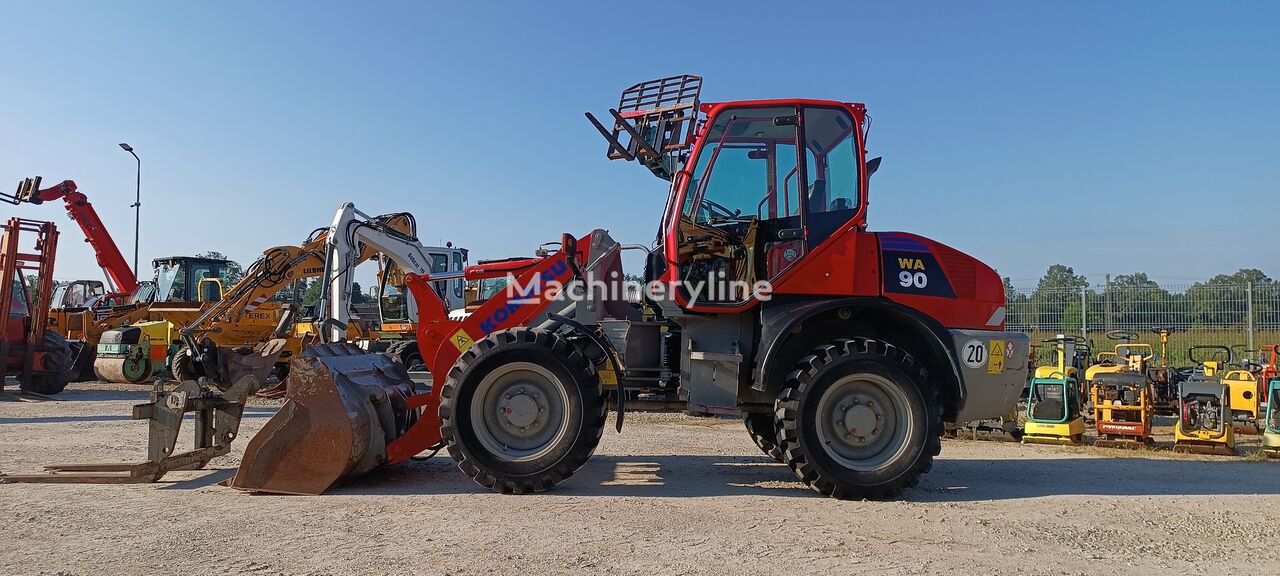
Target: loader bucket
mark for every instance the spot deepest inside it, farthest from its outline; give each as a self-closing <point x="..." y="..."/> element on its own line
<point x="343" y="406"/>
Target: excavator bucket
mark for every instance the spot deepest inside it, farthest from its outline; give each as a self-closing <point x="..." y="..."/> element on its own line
<point x="343" y="406"/>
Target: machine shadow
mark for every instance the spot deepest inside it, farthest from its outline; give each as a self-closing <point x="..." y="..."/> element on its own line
<point x="969" y="480"/>
<point x="950" y="480"/>
<point x="603" y="476"/>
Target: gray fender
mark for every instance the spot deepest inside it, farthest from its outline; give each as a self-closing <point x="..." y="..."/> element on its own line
<point x="777" y="319"/>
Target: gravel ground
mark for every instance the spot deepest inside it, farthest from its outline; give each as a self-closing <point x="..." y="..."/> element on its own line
<point x="670" y="495"/>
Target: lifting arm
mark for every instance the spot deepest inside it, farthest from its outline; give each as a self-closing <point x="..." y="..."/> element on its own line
<point x="123" y="279"/>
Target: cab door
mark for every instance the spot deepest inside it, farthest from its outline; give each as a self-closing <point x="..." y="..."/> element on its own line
<point x="757" y="200"/>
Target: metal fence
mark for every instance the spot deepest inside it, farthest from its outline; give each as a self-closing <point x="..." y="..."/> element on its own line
<point x="1240" y="316"/>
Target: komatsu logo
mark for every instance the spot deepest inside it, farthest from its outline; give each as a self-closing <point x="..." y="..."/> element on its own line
<point x="544" y="285"/>
<point x="911" y="264"/>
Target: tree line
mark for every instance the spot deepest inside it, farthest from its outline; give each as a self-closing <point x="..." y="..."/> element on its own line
<point x="1063" y="299"/>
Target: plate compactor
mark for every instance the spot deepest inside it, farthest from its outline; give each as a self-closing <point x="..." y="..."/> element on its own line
<point x="1123" y="409"/>
<point x="1204" y="411"/>
<point x="1053" y="399"/>
<point x="865" y="344"/>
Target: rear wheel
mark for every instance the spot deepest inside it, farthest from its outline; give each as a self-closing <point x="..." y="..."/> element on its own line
<point x="763" y="431"/>
<point x="857" y="420"/>
<point x="55" y="366"/>
<point x="521" y="411"/>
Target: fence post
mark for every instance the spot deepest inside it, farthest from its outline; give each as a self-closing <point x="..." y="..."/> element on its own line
<point x="1084" y="312"/>
<point x="1107" y="299"/>
<point x="1248" y="311"/>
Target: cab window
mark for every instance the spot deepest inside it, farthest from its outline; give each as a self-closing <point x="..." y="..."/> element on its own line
<point x="18" y="302"/>
<point x="833" y="187"/>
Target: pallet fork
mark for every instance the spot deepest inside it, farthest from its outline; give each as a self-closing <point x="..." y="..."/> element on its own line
<point x="217" y="423"/>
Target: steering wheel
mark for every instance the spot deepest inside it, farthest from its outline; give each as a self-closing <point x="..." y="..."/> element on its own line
<point x="1122" y="335"/>
<point x="716" y="209"/>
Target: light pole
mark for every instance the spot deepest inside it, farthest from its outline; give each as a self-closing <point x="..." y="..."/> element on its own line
<point x="137" y="207"/>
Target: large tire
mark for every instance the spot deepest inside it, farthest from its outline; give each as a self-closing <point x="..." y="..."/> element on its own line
<point x="183" y="366"/>
<point x="406" y="353"/>
<point x="55" y="366"/>
<point x="845" y="387"/>
<point x="521" y="411"/>
<point x="763" y="431"/>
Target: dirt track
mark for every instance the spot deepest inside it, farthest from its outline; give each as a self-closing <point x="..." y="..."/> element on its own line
<point x="670" y="495"/>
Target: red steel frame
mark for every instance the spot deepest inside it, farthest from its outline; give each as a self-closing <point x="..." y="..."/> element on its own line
<point x="12" y="263"/>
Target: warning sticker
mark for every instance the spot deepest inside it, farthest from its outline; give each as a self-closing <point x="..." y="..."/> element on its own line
<point x="996" y="364"/>
<point x="461" y="341"/>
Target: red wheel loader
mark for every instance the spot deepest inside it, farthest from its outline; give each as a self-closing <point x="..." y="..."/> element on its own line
<point x="766" y="295"/>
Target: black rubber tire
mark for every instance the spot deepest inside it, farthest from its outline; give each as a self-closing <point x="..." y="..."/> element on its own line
<point x="763" y="431"/>
<point x="406" y="353"/>
<point x="796" y="410"/>
<point x="585" y="410"/>
<point x="56" y="366"/>
<point x="183" y="366"/>
<point x="84" y="354"/>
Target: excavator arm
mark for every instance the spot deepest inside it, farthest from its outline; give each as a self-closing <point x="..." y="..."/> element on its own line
<point x="355" y="237"/>
<point x="122" y="278"/>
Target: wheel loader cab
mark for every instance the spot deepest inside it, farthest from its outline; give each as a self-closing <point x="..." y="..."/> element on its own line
<point x="756" y="200"/>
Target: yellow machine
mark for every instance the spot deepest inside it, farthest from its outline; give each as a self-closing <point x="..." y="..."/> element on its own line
<point x="1246" y="393"/>
<point x="181" y="276"/>
<point x="1053" y="399"/>
<point x="249" y="317"/>
<point x="249" y="314"/>
<point x="1204" y="413"/>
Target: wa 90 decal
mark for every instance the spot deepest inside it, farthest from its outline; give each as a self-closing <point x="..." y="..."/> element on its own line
<point x="914" y="273"/>
<point x="907" y="279"/>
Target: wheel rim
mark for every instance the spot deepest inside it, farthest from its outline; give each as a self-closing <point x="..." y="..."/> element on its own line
<point x="134" y="369"/>
<point x="864" y="421"/>
<point x="519" y="411"/>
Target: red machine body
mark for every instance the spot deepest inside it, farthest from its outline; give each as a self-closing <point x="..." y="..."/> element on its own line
<point x="123" y="279"/>
<point x="22" y="344"/>
<point x="843" y="260"/>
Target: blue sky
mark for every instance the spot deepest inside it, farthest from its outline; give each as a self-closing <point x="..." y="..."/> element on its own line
<point x="1112" y="137"/>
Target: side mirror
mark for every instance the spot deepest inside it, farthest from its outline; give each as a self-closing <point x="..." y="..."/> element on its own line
<point x="873" y="165"/>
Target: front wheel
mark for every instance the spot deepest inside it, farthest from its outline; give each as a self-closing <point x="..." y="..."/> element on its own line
<point x="183" y="366"/>
<point x="521" y="410"/>
<point x="763" y="431"/>
<point x="55" y="366"/>
<point x="858" y="420"/>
